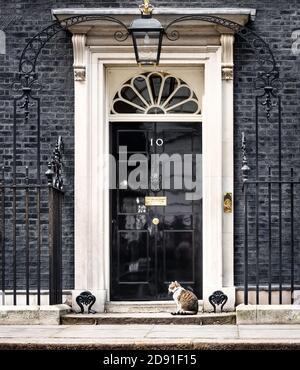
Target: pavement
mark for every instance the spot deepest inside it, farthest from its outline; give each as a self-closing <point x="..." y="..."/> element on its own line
<point x="150" y="337"/>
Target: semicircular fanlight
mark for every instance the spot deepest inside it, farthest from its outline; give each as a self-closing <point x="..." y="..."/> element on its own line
<point x="155" y="93"/>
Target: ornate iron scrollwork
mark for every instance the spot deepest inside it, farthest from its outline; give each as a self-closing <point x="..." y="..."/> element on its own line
<point x="27" y="76"/>
<point x="121" y="36"/>
<point x="265" y="57"/>
<point x="54" y="172"/>
<point x="173" y="35"/>
<point x="33" y="48"/>
<point x="260" y="47"/>
<point x="268" y="74"/>
<point x="26" y="84"/>
<point x="218" y="298"/>
<point x="269" y="84"/>
<point x="88" y="299"/>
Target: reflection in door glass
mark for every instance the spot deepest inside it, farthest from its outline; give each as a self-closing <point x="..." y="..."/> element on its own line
<point x="134" y="258"/>
<point x="179" y="253"/>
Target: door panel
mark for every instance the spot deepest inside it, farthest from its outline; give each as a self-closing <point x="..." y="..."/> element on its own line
<point x="145" y="257"/>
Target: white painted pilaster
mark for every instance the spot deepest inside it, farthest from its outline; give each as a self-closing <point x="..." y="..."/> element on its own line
<point x="227" y="41"/>
<point x="82" y="181"/>
<point x="89" y="196"/>
<point x="212" y="177"/>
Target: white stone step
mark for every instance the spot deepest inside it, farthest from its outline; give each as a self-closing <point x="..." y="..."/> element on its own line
<point x="227" y="318"/>
<point x="143" y="306"/>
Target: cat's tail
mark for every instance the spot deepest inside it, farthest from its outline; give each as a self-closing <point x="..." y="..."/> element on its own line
<point x="185" y="313"/>
<point x="188" y="313"/>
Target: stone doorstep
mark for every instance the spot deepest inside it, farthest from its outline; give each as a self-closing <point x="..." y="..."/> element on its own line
<point x="149" y="319"/>
<point x="143" y="306"/>
<point x="267" y="314"/>
<point x="33" y="315"/>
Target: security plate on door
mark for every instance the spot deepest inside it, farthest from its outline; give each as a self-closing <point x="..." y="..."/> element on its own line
<point x="155" y="221"/>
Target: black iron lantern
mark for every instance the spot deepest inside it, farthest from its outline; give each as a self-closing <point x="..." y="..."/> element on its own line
<point x="147" y="34"/>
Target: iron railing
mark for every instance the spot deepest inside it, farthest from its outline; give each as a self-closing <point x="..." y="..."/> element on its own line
<point x="271" y="240"/>
<point x="30" y="235"/>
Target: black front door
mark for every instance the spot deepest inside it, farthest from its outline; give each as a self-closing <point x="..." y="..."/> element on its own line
<point x="156" y="233"/>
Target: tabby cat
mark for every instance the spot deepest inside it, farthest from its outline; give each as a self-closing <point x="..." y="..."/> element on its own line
<point x="186" y="301"/>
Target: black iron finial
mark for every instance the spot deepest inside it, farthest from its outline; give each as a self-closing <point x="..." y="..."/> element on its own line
<point x="245" y="168"/>
<point x="54" y="172"/>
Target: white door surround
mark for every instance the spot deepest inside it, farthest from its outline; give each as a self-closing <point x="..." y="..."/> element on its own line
<point x="92" y="64"/>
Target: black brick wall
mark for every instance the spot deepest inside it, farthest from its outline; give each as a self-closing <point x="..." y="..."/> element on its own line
<point x="275" y="22"/>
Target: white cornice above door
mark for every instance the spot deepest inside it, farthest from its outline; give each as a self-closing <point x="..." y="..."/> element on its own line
<point x="101" y="32"/>
<point x="240" y="15"/>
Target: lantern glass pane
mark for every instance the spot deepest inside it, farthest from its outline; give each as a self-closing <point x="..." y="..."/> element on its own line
<point x="147" y="44"/>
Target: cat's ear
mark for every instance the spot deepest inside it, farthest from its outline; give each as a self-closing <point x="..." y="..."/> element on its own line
<point x="176" y="282"/>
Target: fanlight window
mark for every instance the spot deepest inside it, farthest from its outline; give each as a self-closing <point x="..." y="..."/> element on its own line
<point x="155" y="93"/>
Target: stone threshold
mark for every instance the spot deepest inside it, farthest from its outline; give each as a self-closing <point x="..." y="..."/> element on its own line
<point x="33" y="315"/>
<point x="227" y="318"/>
<point x="267" y="314"/>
